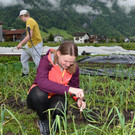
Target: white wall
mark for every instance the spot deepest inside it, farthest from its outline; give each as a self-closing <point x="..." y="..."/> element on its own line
<point x="81" y="39"/>
<point x="58" y="39"/>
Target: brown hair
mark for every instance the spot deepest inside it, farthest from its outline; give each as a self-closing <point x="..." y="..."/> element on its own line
<point x="68" y="48"/>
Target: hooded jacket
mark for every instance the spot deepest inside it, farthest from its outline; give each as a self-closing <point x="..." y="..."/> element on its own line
<point x="50" y="79"/>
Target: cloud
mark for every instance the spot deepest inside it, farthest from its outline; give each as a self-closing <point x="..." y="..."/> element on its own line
<point x="10" y="3"/>
<point x="85" y="9"/>
<point x="55" y="3"/>
<point x="109" y="4"/>
<point x="127" y="5"/>
<point x="40" y="5"/>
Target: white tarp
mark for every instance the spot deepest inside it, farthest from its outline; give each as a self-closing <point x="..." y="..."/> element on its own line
<point x="103" y="50"/>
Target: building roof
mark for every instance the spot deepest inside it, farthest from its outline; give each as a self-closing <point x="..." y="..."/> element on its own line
<point x="93" y="36"/>
<point x="14" y="31"/>
<point x="79" y="34"/>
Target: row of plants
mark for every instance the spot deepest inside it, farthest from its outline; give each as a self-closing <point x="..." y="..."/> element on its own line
<point x="128" y="46"/>
<point x="110" y="105"/>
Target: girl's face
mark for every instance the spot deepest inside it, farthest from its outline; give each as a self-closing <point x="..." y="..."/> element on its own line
<point x="65" y="61"/>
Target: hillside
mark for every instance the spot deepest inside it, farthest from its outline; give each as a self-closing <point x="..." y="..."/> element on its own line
<point x="57" y="31"/>
<point x="93" y="16"/>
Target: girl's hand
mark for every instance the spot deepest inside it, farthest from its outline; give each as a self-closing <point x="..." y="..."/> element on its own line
<point x="77" y="91"/>
<point x="81" y="104"/>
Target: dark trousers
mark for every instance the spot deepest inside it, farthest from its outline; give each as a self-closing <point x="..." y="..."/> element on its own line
<point x="38" y="101"/>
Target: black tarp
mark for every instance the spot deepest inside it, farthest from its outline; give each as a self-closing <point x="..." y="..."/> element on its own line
<point x="108" y="72"/>
<point x="116" y="59"/>
<point x="123" y="59"/>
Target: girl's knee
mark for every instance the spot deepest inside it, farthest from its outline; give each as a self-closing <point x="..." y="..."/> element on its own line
<point x="37" y="95"/>
<point x="57" y="104"/>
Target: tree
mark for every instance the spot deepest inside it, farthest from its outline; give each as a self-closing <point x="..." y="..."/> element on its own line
<point x="51" y="37"/>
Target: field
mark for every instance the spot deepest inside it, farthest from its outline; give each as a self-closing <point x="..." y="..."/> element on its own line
<point x="110" y="101"/>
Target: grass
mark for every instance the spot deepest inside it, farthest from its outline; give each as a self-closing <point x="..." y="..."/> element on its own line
<point x="56" y="31"/>
<point x="109" y="102"/>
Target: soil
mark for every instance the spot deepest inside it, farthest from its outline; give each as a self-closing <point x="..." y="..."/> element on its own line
<point x="79" y="117"/>
<point x="9" y="133"/>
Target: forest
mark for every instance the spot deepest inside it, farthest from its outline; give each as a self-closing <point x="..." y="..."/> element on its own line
<point x="111" y="24"/>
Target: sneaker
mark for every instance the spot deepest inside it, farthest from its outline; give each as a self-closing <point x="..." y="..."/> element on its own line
<point x="44" y="127"/>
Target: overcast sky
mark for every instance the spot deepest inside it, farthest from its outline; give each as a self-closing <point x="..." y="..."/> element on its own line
<point x="126" y="5"/>
<point x="8" y="3"/>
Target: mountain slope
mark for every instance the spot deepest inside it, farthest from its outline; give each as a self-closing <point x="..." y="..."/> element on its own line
<point x="73" y="16"/>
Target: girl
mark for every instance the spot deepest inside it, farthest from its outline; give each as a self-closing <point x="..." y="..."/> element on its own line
<point x="57" y="74"/>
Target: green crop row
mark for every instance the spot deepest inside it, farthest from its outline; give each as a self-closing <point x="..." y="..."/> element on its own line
<point x="108" y="101"/>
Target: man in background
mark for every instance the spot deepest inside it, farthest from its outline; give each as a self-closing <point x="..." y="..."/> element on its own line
<point x="33" y="42"/>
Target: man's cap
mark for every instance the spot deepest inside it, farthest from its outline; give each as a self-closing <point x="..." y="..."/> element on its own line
<point x="23" y="12"/>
